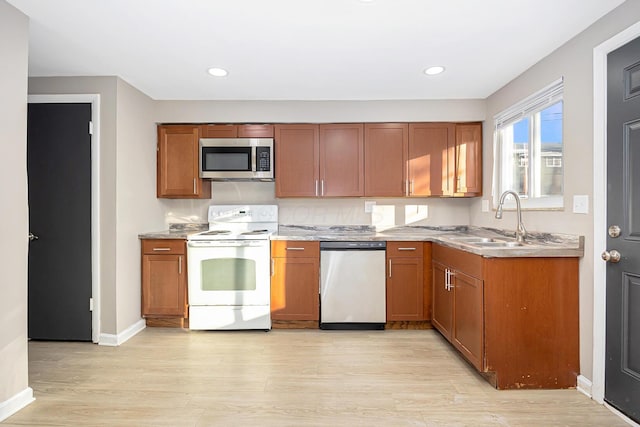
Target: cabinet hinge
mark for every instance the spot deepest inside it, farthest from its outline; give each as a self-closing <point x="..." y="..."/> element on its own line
<point x="90" y="304"/>
<point x="90" y="128"/>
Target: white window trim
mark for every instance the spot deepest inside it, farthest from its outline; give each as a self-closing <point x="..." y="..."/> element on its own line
<point x="547" y="96"/>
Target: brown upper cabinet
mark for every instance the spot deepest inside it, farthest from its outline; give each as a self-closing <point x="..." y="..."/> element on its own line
<point x="386" y="147"/>
<point x="468" y="160"/>
<point x="177" y="163"/>
<point x="431" y="145"/>
<point x="236" y="131"/>
<point x="319" y="160"/>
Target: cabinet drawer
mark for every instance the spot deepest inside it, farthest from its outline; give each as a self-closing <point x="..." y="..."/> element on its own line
<point x="405" y="249"/>
<point x="295" y="249"/>
<point x="163" y="246"/>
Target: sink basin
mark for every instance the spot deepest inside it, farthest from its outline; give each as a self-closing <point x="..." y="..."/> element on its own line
<point x="472" y="239"/>
<point x="497" y="244"/>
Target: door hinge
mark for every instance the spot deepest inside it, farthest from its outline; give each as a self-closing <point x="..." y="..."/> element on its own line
<point x="90" y="304"/>
<point x="90" y="128"/>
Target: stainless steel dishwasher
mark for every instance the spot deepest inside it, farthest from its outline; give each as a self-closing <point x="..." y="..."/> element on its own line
<point x="352" y="285"/>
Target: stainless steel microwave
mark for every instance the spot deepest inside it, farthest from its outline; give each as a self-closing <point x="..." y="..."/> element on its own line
<point x="242" y="159"/>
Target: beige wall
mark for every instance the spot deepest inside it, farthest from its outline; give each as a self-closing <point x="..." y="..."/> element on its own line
<point x="127" y="188"/>
<point x="574" y="61"/>
<point x="137" y="208"/>
<point x="14" y="226"/>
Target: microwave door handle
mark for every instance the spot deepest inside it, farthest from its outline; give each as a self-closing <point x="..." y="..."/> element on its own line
<point x="253" y="159"/>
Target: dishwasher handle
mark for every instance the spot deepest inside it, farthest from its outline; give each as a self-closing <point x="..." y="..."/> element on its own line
<point x="364" y="245"/>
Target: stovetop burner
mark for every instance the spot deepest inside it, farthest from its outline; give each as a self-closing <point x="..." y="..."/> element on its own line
<point x="248" y="233"/>
<point x="215" y="232"/>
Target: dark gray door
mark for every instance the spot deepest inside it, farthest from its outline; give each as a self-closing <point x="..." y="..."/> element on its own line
<point x="59" y="171"/>
<point x="622" y="369"/>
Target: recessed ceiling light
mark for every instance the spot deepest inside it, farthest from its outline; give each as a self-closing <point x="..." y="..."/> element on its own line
<point x="432" y="71"/>
<point x="218" y="72"/>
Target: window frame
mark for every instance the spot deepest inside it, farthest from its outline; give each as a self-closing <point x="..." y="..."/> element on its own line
<point x="528" y="107"/>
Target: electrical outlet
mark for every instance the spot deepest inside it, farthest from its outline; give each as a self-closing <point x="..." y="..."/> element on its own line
<point x="368" y="206"/>
<point x="485" y="206"/>
<point x="581" y="204"/>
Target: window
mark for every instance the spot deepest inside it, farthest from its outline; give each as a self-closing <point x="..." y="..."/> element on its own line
<point x="529" y="150"/>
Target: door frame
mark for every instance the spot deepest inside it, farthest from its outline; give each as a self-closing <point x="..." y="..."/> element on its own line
<point x="600" y="205"/>
<point x="94" y="100"/>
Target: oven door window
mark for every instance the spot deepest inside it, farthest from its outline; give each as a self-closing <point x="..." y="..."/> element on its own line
<point x="216" y="159"/>
<point x="228" y="274"/>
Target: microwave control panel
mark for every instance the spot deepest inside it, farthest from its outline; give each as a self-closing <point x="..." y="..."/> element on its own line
<point x="263" y="155"/>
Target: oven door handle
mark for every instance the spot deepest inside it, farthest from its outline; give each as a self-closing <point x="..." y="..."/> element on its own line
<point x="226" y="243"/>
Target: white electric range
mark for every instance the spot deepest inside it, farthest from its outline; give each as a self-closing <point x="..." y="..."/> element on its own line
<point x="229" y="268"/>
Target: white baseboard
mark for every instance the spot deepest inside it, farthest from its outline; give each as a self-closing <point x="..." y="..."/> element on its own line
<point x="584" y="385"/>
<point x="122" y="337"/>
<point x="14" y="404"/>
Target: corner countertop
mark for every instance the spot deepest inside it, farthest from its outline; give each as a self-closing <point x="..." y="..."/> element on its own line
<point x="536" y="244"/>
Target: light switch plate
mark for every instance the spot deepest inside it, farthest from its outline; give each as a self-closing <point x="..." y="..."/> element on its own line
<point x="368" y="206"/>
<point x="485" y="206"/>
<point x="580" y="204"/>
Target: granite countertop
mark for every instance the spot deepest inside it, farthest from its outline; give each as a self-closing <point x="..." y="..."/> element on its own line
<point x="175" y="231"/>
<point x="536" y="244"/>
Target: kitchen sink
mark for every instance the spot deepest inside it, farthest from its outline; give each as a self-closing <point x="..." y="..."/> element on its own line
<point x="484" y="242"/>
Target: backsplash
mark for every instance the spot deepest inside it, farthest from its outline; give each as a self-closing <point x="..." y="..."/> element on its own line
<point x="328" y="211"/>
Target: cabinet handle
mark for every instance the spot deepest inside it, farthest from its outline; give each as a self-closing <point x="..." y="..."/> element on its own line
<point x="195" y="184"/>
<point x="161" y="249"/>
<point x="322" y="187"/>
<point x="294" y="249"/>
<point x="180" y="265"/>
<point x="406" y="187"/>
<point x="411" y="188"/>
<point x="446" y="279"/>
<point x="451" y="274"/>
<point x="316" y="188"/>
<point x="273" y="266"/>
<point x="406" y="249"/>
<point x="389" y="268"/>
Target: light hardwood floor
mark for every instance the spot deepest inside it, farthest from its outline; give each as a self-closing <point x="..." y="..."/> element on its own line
<point x="174" y="377"/>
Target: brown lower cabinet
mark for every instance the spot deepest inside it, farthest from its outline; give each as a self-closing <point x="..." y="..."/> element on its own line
<point x="295" y="280"/>
<point x="405" y="284"/>
<point x="514" y="319"/>
<point x="164" y="282"/>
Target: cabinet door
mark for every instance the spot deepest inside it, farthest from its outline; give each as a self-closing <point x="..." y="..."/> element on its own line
<point x="427" y="276"/>
<point x="219" y="131"/>
<point x="430" y="159"/>
<point x="177" y="164"/>
<point x="385" y="155"/>
<point x="294" y="289"/>
<point x="404" y="289"/>
<point x="467" y="334"/>
<point x="341" y="160"/>
<point x="442" y="314"/>
<point x="297" y="155"/>
<point x="468" y="163"/>
<point x="255" y="131"/>
<point x="164" y="285"/>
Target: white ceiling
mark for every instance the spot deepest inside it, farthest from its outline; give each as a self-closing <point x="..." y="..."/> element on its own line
<point x="302" y="49"/>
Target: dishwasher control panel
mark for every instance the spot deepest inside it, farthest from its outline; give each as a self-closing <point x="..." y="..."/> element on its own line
<point x="355" y="245"/>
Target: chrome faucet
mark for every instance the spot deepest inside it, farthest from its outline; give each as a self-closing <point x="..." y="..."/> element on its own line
<point x="521" y="232"/>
